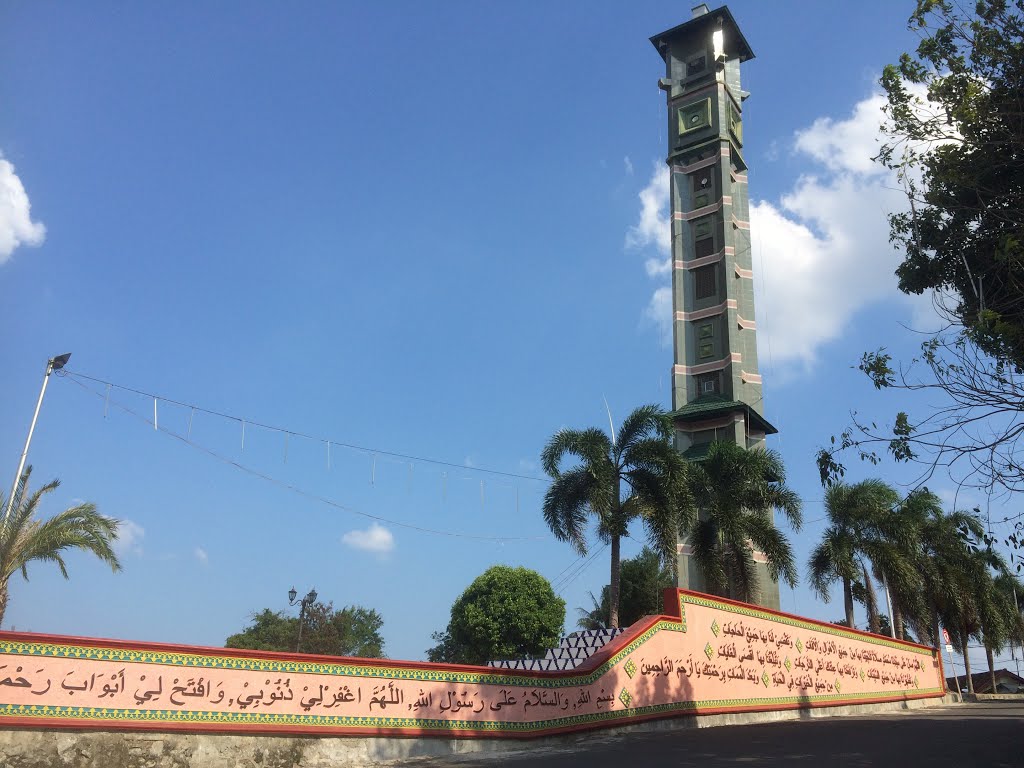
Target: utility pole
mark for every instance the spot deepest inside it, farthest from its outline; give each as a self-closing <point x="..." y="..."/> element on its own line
<point x="53" y="364"/>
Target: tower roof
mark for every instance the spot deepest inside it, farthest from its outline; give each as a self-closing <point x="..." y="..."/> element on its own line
<point x="736" y="43"/>
<point x="709" y="406"/>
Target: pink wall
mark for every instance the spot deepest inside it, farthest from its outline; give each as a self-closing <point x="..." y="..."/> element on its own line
<point x="710" y="656"/>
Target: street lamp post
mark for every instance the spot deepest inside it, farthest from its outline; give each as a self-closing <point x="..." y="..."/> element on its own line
<point x="308" y="600"/>
<point x="53" y="364"/>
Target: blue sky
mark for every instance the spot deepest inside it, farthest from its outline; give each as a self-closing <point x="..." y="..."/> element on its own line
<point x="430" y="230"/>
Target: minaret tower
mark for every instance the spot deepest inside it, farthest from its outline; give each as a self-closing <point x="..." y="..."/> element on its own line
<point x="716" y="386"/>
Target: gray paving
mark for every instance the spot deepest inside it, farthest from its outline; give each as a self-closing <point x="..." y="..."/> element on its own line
<point x="961" y="735"/>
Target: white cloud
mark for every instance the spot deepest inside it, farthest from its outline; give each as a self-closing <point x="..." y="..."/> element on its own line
<point x="653" y="227"/>
<point x="659" y="312"/>
<point x="16" y="225"/>
<point x="847" y="145"/>
<point x="376" y="538"/>
<point x="201" y="556"/>
<point x="129" y="538"/>
<point x="821" y="252"/>
<point x="820" y="255"/>
<point x="629" y="165"/>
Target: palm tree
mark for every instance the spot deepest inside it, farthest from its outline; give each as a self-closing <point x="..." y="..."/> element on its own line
<point x="597" y="616"/>
<point x="24" y="538"/>
<point x="1001" y="619"/>
<point x="641" y="581"/>
<point x="851" y="510"/>
<point x="951" y="574"/>
<point x="617" y="479"/>
<point x="736" y="490"/>
<point x="890" y="545"/>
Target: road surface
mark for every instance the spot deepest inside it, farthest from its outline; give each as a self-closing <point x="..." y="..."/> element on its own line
<point x="961" y="735"/>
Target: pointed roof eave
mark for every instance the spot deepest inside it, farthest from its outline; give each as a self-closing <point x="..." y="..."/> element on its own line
<point x="739" y="47"/>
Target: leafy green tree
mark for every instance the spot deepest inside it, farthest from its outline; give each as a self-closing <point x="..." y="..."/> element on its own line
<point x="506" y="613"/>
<point x="955" y="137"/>
<point x="643" y="579"/>
<point x="960" y="152"/>
<point x="350" y="631"/>
<point x="24" y="538"/>
<point x="616" y="480"/>
<point x="736" y="491"/>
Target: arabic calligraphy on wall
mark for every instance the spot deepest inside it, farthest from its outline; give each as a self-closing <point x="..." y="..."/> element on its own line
<point x="713" y="656"/>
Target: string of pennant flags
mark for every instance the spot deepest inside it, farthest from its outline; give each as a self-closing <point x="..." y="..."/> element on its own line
<point x="331" y="447"/>
<point x="154" y="421"/>
<point x="560" y="582"/>
<point x="287" y="433"/>
<point x="374" y="455"/>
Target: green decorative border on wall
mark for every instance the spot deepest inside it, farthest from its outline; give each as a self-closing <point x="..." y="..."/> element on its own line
<point x="274" y="666"/>
<point x="104" y="717"/>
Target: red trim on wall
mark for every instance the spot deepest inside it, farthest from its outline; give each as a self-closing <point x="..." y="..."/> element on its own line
<point x="599" y="658"/>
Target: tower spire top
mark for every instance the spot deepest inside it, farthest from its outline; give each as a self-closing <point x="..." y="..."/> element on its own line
<point x="720" y="18"/>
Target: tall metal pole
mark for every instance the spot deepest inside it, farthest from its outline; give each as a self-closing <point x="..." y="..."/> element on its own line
<point x="956" y="677"/>
<point x="53" y="364"/>
<point x="1016" y="606"/>
<point x="308" y="600"/>
<point x="302" y="620"/>
<point x="888" y="603"/>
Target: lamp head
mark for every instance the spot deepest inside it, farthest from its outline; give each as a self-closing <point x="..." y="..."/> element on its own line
<point x="311" y="597"/>
<point x="60" y="361"/>
<point x="291" y="595"/>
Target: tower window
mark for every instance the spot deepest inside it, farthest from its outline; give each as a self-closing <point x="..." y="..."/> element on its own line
<point x="704" y="247"/>
<point x="703" y="188"/>
<point x="694" y="116"/>
<point x="708" y="384"/>
<point x="735" y="123"/>
<point x="704" y="282"/>
<point x="703" y="237"/>
<point x="696" y="65"/>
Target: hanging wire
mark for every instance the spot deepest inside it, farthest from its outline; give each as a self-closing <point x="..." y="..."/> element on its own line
<point x="373" y="452"/>
<point x="299" y="491"/>
<point x="364" y="449"/>
<point x="577" y="569"/>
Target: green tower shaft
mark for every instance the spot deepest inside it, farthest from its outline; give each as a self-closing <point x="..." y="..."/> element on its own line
<point x="716" y="383"/>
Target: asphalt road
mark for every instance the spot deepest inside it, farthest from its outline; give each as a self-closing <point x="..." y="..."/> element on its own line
<point x="989" y="735"/>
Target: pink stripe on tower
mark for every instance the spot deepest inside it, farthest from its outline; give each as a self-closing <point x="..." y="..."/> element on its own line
<point x="745" y="273"/>
<point x="746" y="325"/>
<point x="700" y="314"/>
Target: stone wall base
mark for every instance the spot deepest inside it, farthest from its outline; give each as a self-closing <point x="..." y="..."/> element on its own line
<point x="126" y="749"/>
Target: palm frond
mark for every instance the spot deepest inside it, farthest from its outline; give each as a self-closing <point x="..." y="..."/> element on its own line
<point x="25" y="539"/>
<point x="590" y="446"/>
<point x="566" y="505"/>
<point x="644" y="422"/>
